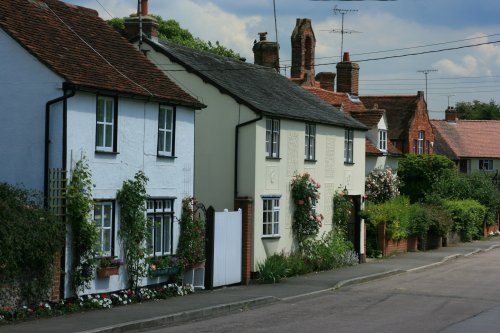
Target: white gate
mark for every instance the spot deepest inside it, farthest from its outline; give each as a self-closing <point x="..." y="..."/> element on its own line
<point x="227" y="248"/>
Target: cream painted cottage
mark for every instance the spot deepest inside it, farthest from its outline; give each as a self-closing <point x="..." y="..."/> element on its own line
<point x="259" y="130"/>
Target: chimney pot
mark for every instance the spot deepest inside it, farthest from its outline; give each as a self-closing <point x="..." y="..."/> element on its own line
<point x="144" y="8"/>
<point x="346" y="57"/>
<point x="262" y="36"/>
<point x="450" y="115"/>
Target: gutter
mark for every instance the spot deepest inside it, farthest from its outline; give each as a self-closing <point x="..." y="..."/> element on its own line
<point x="47" y="138"/>
<point x="236" y="141"/>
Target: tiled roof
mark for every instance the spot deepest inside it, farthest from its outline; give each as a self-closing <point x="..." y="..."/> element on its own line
<point x="370" y="118"/>
<point x="260" y="88"/>
<point x="83" y="49"/>
<point x="371" y="149"/>
<point x="467" y="138"/>
<point x="399" y="111"/>
<point x="337" y="99"/>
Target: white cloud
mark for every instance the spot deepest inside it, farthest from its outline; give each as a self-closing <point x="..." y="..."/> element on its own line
<point x="467" y="67"/>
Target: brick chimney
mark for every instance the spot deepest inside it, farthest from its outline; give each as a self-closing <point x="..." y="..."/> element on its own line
<point x="450" y="115"/>
<point x="266" y="53"/>
<point x="303" y="47"/>
<point x="326" y="80"/>
<point x="348" y="76"/>
<point x="149" y="24"/>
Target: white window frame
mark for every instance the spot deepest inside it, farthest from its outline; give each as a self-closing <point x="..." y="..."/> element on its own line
<point x="106" y="230"/>
<point x="272" y="138"/>
<point x="310" y="142"/>
<point x="382" y="140"/>
<point x="420" y="144"/>
<point x="270" y="216"/>
<point x="160" y="211"/>
<point x="486" y="165"/>
<point x="348" y="146"/>
<point x="166" y="134"/>
<point x="105" y="127"/>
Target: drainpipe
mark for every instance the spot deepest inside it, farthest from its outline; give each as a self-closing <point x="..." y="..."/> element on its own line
<point x="47" y="139"/>
<point x="236" y="152"/>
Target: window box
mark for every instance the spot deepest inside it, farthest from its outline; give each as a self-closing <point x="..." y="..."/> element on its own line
<point x="164" y="271"/>
<point x="105" y="272"/>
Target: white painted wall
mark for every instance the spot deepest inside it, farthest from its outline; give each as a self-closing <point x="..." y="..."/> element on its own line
<point x="137" y="147"/>
<point x="474" y="164"/>
<point x="379" y="162"/>
<point x="26" y="86"/>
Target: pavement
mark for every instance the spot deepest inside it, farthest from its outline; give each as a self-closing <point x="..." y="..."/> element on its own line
<point x="206" y="304"/>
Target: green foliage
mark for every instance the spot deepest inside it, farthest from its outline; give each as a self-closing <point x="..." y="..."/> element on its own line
<point x="297" y="264"/>
<point x="477" y="110"/>
<point x="441" y="221"/>
<point x="418" y="172"/>
<point x="29" y="239"/>
<point x="305" y="195"/>
<point x="342" y="210"/>
<point x="418" y="221"/>
<point x="191" y="248"/>
<point x="273" y="269"/>
<point x="394" y="213"/>
<point x="477" y="186"/>
<point x="468" y="216"/>
<point x="134" y="227"/>
<point x="381" y="185"/>
<point x="172" y="31"/>
<point x="332" y="250"/>
<point x="84" y="233"/>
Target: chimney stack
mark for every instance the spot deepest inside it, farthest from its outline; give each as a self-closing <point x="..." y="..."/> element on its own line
<point x="326" y="80"/>
<point x="303" y="48"/>
<point x="348" y="76"/>
<point x="266" y="53"/>
<point x="149" y="24"/>
<point x="450" y="115"/>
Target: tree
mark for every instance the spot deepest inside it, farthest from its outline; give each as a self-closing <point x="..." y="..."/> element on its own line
<point x="477" y="110"/>
<point x="172" y="31"/>
<point x="418" y="172"/>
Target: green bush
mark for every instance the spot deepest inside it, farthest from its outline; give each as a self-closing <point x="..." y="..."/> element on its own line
<point x="297" y="264"/>
<point x="29" y="238"/>
<point x="394" y="213"/>
<point x="441" y="221"/>
<point x="332" y="250"/>
<point x="273" y="269"/>
<point x="468" y="216"/>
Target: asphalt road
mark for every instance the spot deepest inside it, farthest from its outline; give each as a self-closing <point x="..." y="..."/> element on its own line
<point x="462" y="295"/>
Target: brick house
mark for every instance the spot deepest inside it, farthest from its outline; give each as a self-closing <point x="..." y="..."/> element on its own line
<point x="471" y="144"/>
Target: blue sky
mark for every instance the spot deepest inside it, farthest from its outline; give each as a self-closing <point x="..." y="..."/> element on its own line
<point x="462" y="75"/>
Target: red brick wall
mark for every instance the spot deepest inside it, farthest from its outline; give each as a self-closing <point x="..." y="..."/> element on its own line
<point x="420" y="123"/>
<point x="389" y="246"/>
<point x="55" y="293"/>
<point x="246" y="206"/>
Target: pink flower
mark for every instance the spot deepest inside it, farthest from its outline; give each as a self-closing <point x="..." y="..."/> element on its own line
<point x="300" y="202"/>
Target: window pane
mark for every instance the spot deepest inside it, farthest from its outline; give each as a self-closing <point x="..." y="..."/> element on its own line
<point x="161" y="119"/>
<point x="109" y="136"/>
<point x="100" y="110"/>
<point x="161" y="141"/>
<point x="166" y="234"/>
<point x="169" y="120"/>
<point x="149" y="237"/>
<point x="100" y="135"/>
<point x="168" y="142"/>
<point x="107" y="216"/>
<point x="106" y="246"/>
<point x="158" y="233"/>
<point x="109" y="111"/>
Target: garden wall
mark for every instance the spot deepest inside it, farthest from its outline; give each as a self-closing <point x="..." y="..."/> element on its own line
<point x="389" y="246"/>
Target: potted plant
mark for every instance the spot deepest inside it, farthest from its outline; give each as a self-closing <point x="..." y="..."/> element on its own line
<point x="162" y="266"/>
<point x="108" y="266"/>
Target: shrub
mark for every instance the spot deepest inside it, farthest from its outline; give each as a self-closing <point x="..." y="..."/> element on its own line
<point x="441" y="221"/>
<point x="342" y="210"/>
<point x="332" y="250"/>
<point x="381" y="185"/>
<point x="468" y="216"/>
<point x="297" y="264"/>
<point x="273" y="269"/>
<point x="394" y="213"/>
<point x="29" y="238"/>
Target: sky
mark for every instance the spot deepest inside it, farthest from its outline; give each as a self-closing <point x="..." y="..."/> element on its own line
<point x="393" y="30"/>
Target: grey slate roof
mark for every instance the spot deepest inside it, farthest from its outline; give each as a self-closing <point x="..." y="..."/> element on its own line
<point x="260" y="88"/>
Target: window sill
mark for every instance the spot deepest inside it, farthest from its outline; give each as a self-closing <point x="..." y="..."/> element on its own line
<point x="168" y="157"/>
<point x="348" y="163"/>
<point x="103" y="152"/>
<point x="270" y="237"/>
<point x="310" y="161"/>
<point x="273" y="158"/>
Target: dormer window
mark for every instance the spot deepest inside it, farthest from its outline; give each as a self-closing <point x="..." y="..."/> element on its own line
<point x="382" y="140"/>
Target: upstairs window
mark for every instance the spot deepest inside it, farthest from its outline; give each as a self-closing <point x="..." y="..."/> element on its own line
<point x="272" y="138"/>
<point x="166" y="130"/>
<point x="427" y="147"/>
<point x="421" y="139"/>
<point x="310" y="142"/>
<point x="382" y="140"/>
<point x="348" y="146"/>
<point x="106" y="119"/>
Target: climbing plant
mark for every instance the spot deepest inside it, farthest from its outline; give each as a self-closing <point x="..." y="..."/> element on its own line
<point x="134" y="227"/>
<point x="305" y="195"/>
<point x="342" y="210"/>
<point x="84" y="232"/>
<point x="191" y="248"/>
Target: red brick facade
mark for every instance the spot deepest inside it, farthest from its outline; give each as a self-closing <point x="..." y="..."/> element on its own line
<point x="303" y="48"/>
<point x="420" y="123"/>
<point x="246" y="206"/>
<point x="266" y="52"/>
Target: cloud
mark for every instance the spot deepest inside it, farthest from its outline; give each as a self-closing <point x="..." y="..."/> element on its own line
<point x="468" y="66"/>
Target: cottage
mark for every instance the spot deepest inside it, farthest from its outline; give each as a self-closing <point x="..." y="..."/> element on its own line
<point x="73" y="87"/>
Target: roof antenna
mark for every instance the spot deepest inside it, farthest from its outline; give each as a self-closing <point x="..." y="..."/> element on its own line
<point x="276" y="32"/>
<point x="139" y="12"/>
<point x="342" y="12"/>
<point x="426" y="71"/>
